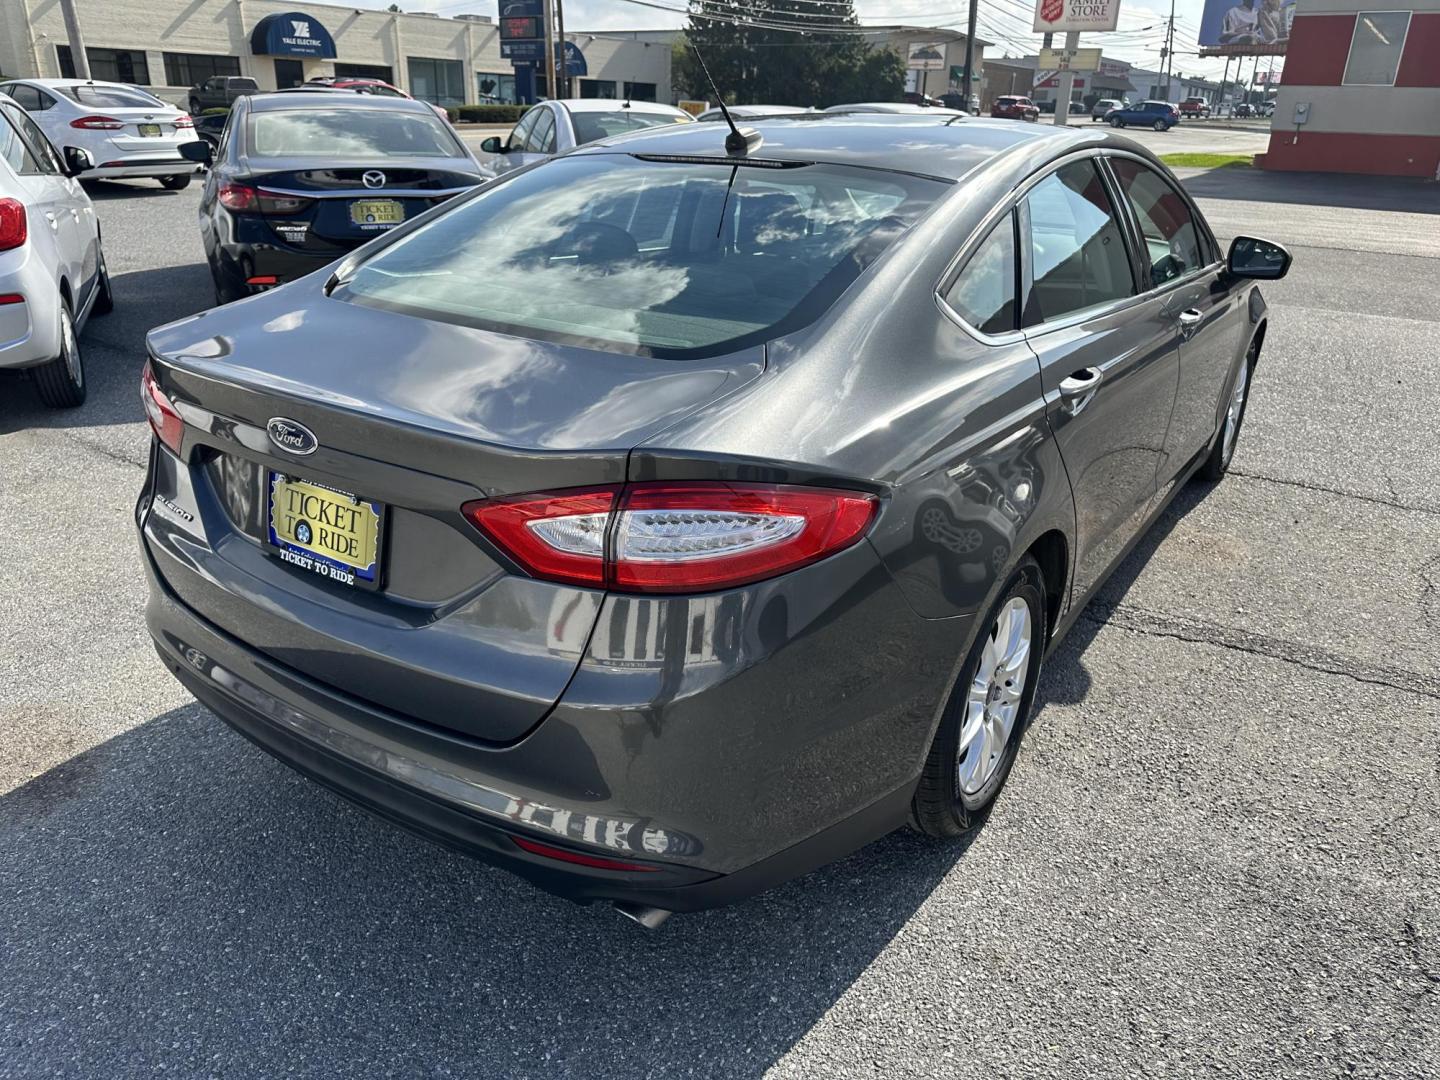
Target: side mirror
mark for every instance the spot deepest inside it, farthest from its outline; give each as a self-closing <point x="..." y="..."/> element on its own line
<point x="77" y="160"/>
<point x="198" y="151"/>
<point x="1251" y="257"/>
<point x="493" y="145"/>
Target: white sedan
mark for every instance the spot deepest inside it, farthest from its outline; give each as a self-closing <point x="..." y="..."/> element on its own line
<point x="52" y="269"/>
<point x="127" y="131"/>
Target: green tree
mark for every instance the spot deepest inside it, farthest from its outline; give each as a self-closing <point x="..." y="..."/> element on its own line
<point x="756" y="64"/>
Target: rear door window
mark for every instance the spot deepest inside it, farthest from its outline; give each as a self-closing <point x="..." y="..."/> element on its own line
<point x="12" y="147"/>
<point x="1172" y="240"/>
<point x="667" y="259"/>
<point x="1077" y="253"/>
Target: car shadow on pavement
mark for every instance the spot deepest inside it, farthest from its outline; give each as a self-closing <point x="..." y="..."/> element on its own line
<point x="1065" y="679"/>
<point x="176" y="899"/>
<point x="103" y="190"/>
<point x="113" y="347"/>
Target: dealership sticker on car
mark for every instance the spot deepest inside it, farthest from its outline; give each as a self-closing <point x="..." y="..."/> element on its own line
<point x="377" y="213"/>
<point x="329" y="532"/>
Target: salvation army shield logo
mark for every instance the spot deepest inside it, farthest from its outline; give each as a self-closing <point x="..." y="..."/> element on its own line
<point x="1051" y="10"/>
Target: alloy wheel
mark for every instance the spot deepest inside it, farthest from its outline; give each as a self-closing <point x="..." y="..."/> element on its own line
<point x="992" y="705"/>
<point x="1235" y="410"/>
<point x="70" y="349"/>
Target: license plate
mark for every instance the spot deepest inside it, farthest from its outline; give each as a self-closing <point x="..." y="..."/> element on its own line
<point x="150" y="131"/>
<point x="329" y="532"/>
<point x="377" y="213"/>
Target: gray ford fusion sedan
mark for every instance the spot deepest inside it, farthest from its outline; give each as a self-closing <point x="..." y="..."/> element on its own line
<point x="661" y="523"/>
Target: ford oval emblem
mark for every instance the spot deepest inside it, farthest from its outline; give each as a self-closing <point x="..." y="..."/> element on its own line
<point x="292" y="437"/>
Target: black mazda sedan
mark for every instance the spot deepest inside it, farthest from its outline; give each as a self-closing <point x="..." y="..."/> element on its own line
<point x="662" y="522"/>
<point x="297" y="180"/>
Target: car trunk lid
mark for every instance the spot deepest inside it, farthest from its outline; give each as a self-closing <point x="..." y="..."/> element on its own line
<point x="420" y="418"/>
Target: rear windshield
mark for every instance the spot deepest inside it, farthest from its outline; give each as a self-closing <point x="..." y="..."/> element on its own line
<point x="349" y="133"/>
<point x="114" y="97"/>
<point x="244" y="84"/>
<point x="590" y="126"/>
<point x="669" y="259"/>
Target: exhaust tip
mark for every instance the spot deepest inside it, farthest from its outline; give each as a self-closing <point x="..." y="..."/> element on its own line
<point x="648" y="917"/>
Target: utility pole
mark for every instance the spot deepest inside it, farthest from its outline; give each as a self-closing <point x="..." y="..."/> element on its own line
<point x="1169" y="49"/>
<point x="77" y="43"/>
<point x="969" y="52"/>
<point x="1223" y="80"/>
<point x="549" y="12"/>
<point x="1046" y="42"/>
<point x="564" y="83"/>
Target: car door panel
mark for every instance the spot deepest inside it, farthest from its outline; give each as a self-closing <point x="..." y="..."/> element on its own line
<point x="1109" y="361"/>
<point x="1179" y="259"/>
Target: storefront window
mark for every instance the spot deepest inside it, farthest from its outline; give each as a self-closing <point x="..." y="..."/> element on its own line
<point x="496" y="88"/>
<point x="597" y="88"/>
<point x="108" y="65"/>
<point x="440" y="82"/>
<point x="1375" y="48"/>
<point x="190" y="69"/>
<point x="640" y="91"/>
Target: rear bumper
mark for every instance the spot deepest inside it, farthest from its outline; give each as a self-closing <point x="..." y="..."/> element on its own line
<point x="150" y="165"/>
<point x="723" y="789"/>
<point x="29" y="330"/>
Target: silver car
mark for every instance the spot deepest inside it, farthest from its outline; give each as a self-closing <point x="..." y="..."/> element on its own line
<point x="52" y="271"/>
<point x="552" y="127"/>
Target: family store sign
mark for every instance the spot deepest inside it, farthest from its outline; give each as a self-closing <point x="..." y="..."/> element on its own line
<point x="1063" y="16"/>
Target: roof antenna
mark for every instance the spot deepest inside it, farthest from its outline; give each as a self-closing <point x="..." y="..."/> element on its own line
<point x="738" y="143"/>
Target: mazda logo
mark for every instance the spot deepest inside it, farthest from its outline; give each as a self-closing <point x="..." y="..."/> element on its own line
<point x="373" y="178"/>
<point x="292" y="437"/>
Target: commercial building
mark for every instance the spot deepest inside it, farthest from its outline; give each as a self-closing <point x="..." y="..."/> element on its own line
<point x="168" y="46"/>
<point x="1154" y="86"/>
<point x="1361" y="90"/>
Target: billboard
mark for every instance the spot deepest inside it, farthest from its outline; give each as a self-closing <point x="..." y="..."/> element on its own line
<point x="1245" y="27"/>
<point x="925" y="56"/>
<point x="1065" y="15"/>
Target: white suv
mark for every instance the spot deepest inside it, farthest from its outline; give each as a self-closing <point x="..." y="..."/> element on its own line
<point x="52" y="271"/>
<point x="128" y="132"/>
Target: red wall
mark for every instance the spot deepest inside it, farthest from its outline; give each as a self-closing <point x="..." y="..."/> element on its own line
<point x="1319" y="46"/>
<point x="1420" y="62"/>
<point x="1354" y="152"/>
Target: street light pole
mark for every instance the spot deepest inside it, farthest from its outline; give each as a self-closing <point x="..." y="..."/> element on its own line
<point x="77" y="43"/>
<point x="564" y="74"/>
<point x="549" y="12"/>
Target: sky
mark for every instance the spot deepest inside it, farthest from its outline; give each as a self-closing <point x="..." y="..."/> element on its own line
<point x="1006" y="23"/>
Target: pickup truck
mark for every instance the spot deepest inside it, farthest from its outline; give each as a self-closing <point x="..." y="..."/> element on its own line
<point x="220" y="92"/>
<point x="1194" y="107"/>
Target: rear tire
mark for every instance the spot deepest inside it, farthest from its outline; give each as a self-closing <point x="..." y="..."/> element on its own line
<point x="1159" y="125"/>
<point x="175" y="183"/>
<point x="974" y="746"/>
<point x="61" y="382"/>
<point x="1116" y="123"/>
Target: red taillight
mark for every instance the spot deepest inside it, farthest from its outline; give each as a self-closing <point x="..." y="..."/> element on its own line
<point x="673" y="538"/>
<point x="97" y="123"/>
<point x="243" y="197"/>
<point x="262" y="279"/>
<point x="11" y="298"/>
<point x="534" y="847"/>
<point x="184" y="122"/>
<point x="14" y="225"/>
<point x="238" y="196"/>
<point x="164" y="420"/>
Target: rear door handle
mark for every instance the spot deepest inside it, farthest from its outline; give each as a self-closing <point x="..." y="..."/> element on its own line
<point x="1190" y="321"/>
<point x="1081" y="382"/>
<point x="1078" y="388"/>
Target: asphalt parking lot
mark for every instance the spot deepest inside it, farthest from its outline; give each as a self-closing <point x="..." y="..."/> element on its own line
<point x="1219" y="854"/>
